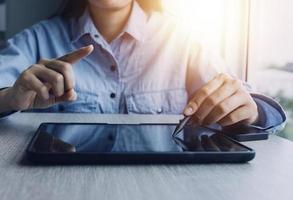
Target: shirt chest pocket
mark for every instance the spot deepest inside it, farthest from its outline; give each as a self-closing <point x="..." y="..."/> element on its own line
<point x="158" y="102"/>
<point x="85" y="102"/>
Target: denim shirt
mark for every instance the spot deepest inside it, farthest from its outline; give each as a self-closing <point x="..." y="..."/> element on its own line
<point x="153" y="67"/>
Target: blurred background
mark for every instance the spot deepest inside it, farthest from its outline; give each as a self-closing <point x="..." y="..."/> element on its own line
<point x="255" y="37"/>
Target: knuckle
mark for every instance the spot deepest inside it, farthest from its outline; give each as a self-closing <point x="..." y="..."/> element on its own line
<point x="42" y="60"/>
<point x="244" y="94"/>
<point x="222" y="108"/>
<point x="34" y="66"/>
<point x="204" y="92"/>
<point x="26" y="75"/>
<point x="233" y="118"/>
<point x="227" y="119"/>
<point x="211" y="101"/>
<point x="43" y="89"/>
<point x="253" y="107"/>
<point x="223" y="76"/>
<point x="58" y="78"/>
<point x="236" y="83"/>
<point x="222" y="122"/>
<point x="65" y="67"/>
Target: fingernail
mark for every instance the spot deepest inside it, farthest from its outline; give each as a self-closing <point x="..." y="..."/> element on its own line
<point x="188" y="110"/>
<point x="90" y="46"/>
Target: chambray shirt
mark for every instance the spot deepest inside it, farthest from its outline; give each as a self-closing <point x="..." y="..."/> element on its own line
<point x="153" y="67"/>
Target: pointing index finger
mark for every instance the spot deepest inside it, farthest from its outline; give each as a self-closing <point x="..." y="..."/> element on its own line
<point x="200" y="95"/>
<point x="77" y="55"/>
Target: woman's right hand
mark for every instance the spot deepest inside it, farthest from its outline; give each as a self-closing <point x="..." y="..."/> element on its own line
<point x="46" y="83"/>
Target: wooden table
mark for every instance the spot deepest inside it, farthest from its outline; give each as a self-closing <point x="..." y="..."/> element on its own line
<point x="268" y="176"/>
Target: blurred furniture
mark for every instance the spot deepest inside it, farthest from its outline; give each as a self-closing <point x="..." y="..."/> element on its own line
<point x="16" y="15"/>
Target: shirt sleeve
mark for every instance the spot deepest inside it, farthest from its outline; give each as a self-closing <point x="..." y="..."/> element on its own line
<point x="272" y="117"/>
<point x="16" y="54"/>
<point x="204" y="65"/>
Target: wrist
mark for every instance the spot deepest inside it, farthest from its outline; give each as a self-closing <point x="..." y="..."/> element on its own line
<point x="6" y="100"/>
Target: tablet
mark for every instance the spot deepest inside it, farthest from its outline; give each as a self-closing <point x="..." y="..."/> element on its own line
<point x="76" y="143"/>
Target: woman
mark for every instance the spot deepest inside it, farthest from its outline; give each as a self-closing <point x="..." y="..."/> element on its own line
<point x="130" y="59"/>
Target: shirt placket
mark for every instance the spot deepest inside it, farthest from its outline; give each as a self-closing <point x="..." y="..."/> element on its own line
<point x="112" y="91"/>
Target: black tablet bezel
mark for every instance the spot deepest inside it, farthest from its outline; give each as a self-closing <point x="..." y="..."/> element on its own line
<point x="136" y="157"/>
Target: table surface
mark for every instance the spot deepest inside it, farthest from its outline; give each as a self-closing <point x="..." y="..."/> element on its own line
<point x="268" y="176"/>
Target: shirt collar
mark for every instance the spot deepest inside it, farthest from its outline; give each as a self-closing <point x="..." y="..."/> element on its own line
<point x="84" y="25"/>
<point x="135" y="26"/>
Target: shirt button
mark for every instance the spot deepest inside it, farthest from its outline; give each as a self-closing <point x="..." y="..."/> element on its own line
<point x="96" y="36"/>
<point x="113" y="68"/>
<point x="160" y="110"/>
<point x="112" y="95"/>
<point x="61" y="108"/>
<point x="110" y="137"/>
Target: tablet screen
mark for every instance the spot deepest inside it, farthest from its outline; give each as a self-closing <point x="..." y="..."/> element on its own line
<point x="99" y="138"/>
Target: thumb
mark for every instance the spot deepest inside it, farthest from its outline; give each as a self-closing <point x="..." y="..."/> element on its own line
<point x="77" y="55"/>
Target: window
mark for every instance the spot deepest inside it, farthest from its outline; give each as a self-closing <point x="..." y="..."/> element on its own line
<point x="222" y="24"/>
<point x="255" y="37"/>
<point x="271" y="53"/>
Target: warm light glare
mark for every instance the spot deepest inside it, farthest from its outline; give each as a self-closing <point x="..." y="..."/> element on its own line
<point x="210" y="20"/>
<point x="222" y="25"/>
<point x="205" y="17"/>
<point x="197" y="12"/>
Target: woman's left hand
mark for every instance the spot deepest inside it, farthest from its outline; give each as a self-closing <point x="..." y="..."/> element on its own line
<point x="223" y="100"/>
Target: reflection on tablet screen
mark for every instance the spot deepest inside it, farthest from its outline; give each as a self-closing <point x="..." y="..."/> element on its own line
<point x="129" y="138"/>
